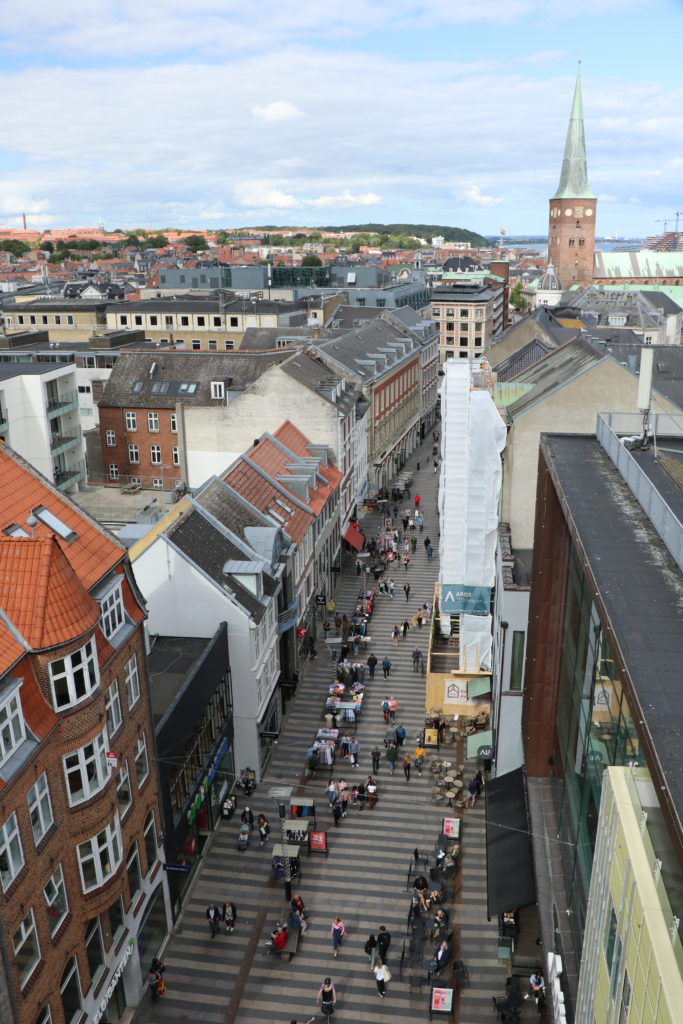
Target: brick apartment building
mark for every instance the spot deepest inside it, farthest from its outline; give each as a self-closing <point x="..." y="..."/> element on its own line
<point x="142" y="409"/>
<point x="83" y="906"/>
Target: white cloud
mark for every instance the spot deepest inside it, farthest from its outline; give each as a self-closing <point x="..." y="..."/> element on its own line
<point x="343" y="200"/>
<point x="266" y="196"/>
<point x="279" y="110"/>
<point x="474" y="195"/>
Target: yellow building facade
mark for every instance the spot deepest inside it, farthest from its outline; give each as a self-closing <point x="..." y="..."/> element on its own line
<point x="632" y="957"/>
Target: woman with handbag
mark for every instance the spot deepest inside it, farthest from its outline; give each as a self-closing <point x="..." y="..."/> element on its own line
<point x="382" y="976"/>
<point x="338" y="931"/>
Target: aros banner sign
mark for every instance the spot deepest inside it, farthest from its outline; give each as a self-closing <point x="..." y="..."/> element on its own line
<point x="459" y="599"/>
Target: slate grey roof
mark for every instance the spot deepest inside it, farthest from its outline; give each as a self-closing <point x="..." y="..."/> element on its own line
<point x="200" y="304"/>
<point x="553" y="371"/>
<point x="57" y="305"/>
<point x="310" y="371"/>
<point x="263" y="339"/>
<point x="211" y="550"/>
<point x="642" y="309"/>
<point x="522" y="359"/>
<point x="667" y="368"/>
<point x="136" y="374"/>
<point x="367" y="352"/>
<point x="230" y="508"/>
<point x="461" y="263"/>
<point x="347" y="317"/>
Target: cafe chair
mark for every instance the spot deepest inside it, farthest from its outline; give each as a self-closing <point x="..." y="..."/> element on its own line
<point x="461" y="974"/>
<point x="504" y="1010"/>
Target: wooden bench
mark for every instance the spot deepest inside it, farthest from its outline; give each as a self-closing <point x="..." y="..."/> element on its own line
<point x="292" y="944"/>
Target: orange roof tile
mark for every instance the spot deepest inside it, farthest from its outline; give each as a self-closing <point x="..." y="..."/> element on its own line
<point x="40" y="717"/>
<point x="297" y="442"/>
<point x="10" y="648"/>
<point x="40" y="593"/>
<point x="271" y="458"/>
<point x="92" y="552"/>
<point x="263" y="495"/>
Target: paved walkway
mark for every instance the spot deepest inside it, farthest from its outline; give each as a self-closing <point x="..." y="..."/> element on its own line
<point x="228" y="979"/>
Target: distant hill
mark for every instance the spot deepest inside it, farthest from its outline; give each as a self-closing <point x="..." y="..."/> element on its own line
<point x="427" y="231"/>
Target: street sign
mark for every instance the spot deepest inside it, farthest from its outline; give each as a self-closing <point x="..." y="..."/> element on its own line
<point x="317" y="842"/>
<point x="183" y="869"/>
<point x="485" y="752"/>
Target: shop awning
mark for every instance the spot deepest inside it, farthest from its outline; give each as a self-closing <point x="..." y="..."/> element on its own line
<point x="509" y="861"/>
<point x="478" y="739"/>
<point x="355" y="536"/>
<point x="478" y="687"/>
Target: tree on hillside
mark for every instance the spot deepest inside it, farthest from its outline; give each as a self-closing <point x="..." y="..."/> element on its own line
<point x="47" y="246"/>
<point x="311" y="260"/>
<point x="221" y="237"/>
<point x="156" y="242"/>
<point x="15" y="246"/>
<point x="195" y="243"/>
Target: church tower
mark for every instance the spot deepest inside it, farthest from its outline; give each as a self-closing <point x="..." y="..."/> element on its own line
<point x="571" y="226"/>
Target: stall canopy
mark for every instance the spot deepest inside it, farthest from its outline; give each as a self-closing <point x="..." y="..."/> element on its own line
<point x="509" y="859"/>
<point x="355" y="536"/>
<point x="476" y="740"/>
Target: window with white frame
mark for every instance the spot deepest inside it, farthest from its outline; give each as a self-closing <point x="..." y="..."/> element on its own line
<point x="113" y="615"/>
<point x="176" y="455"/>
<point x="174" y="423"/>
<point x="158" y="483"/>
<point x="217" y="388"/>
<point x="100" y="857"/>
<point x="141" y="760"/>
<point x="134" y="453"/>
<point x="123" y="791"/>
<point x="40" y="808"/>
<point x="155" y="454"/>
<point x="133" y="870"/>
<point x="112" y="705"/>
<point x="11" y="853"/>
<point x="131" y="680"/>
<point x="131" y="421"/>
<point x="150" y="837"/>
<point x="113" y="471"/>
<point x="12" y="727"/>
<point x="26" y="948"/>
<point x="136" y="480"/>
<point x="45" y="1016"/>
<point x="153" y="421"/>
<point x="75" y="677"/>
<point x="56" y="902"/>
<point x="70" y="991"/>
<point x="111" y="438"/>
<point x="86" y="770"/>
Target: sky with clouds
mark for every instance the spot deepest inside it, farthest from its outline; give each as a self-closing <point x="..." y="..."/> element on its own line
<point x="219" y="113"/>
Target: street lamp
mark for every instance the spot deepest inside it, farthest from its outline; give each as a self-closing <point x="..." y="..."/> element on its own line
<point x="280" y="795"/>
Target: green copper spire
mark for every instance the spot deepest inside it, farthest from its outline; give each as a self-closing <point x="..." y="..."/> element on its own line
<point x="574" y="176"/>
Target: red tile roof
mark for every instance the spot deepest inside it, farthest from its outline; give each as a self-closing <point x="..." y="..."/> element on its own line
<point x="270" y="457"/>
<point x="92" y="552"/>
<point x="40" y="717"/>
<point x="264" y="495"/>
<point x="40" y="593"/>
<point x="297" y="442"/>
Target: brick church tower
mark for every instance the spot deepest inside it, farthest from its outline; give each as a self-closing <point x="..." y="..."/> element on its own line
<point x="571" y="226"/>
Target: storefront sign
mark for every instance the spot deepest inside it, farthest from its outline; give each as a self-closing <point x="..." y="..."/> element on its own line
<point x="451" y="827"/>
<point x="97" y="1016"/>
<point x="459" y="599"/>
<point x="485" y="752"/>
<point x="183" y="869"/>
<point x="442" y="1000"/>
<point x="112" y="759"/>
<point x="317" y="841"/>
<point x="296" y="835"/>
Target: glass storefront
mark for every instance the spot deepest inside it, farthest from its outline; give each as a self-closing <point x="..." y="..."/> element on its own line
<point x="153" y="929"/>
<point x="594" y="728"/>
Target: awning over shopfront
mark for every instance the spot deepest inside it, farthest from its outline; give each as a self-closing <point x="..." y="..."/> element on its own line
<point x="355" y="536"/>
<point x="478" y="739"/>
<point x="509" y="860"/>
<point x="478" y="687"/>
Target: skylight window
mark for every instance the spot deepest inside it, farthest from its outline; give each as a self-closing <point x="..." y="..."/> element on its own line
<point x="54" y="523"/>
<point x="160" y="387"/>
<point x="282" y="505"/>
<point x="186" y="388"/>
<point x="138" y="386"/>
<point x="15" y="531"/>
<point x="276" y="516"/>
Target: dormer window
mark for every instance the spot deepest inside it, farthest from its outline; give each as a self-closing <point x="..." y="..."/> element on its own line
<point x="113" y="615"/>
<point x="74" y="677"/>
<point x="217" y="389"/>
<point x="12" y="727"/>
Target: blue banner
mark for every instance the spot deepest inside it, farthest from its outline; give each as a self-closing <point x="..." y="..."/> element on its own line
<point x="458" y="599"/>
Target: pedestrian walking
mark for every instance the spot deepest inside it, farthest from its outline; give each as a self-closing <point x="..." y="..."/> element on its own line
<point x="430" y="552"/>
<point x="371" y="790"/>
<point x="472" y="792"/>
<point x="392" y="588"/>
<point x="413" y="544"/>
<point x="371" y="950"/>
<point x="332" y="792"/>
<point x="405" y="626"/>
<point x="419" y="755"/>
<point x="393" y="708"/>
<point x="417" y="658"/>
<point x="426" y="542"/>
<point x="371" y="663"/>
<point x="418" y="499"/>
<point x="385" y="708"/>
<point x="386" y="667"/>
<point x="263" y="828"/>
<point x="247" y="817"/>
<point x="383" y="943"/>
<point x="406" y="590"/>
<point x="406" y="562"/>
<point x="406" y="767"/>
<point x="337" y="931"/>
<point x="213" y="916"/>
<point x="359" y="567"/>
<point x="382" y="976"/>
<point x="229" y="917"/>
<point x="354" y="751"/>
<point x="155" y="977"/>
<point x="395" y="634"/>
<point x="400" y="735"/>
<point x="327" y="997"/>
<point x="391" y="755"/>
<point x="375" y="756"/>
<point x="419" y="618"/>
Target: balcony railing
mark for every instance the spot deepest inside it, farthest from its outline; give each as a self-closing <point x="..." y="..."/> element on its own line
<point x="63" y="442"/>
<point x="69" y="475"/>
<point x="64" y="402"/>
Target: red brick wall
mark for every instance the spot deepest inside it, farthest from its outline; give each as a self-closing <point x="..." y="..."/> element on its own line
<point x="115" y="419"/>
<point x="571" y="239"/>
